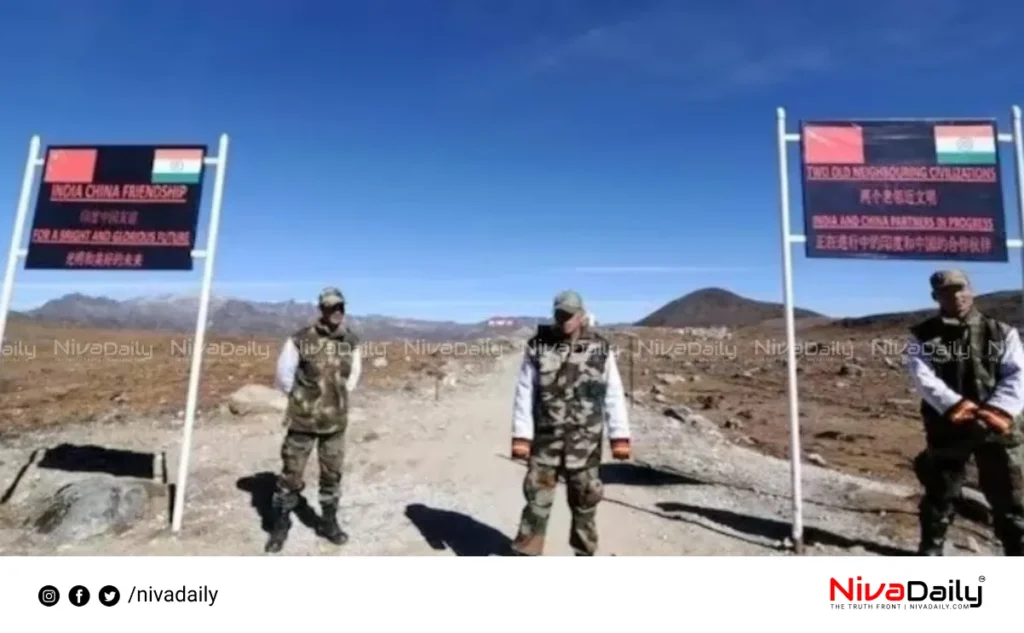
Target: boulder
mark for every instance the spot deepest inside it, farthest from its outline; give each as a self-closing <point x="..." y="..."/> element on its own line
<point x="253" y="399"/>
<point x="694" y="420"/>
<point x="92" y="507"/>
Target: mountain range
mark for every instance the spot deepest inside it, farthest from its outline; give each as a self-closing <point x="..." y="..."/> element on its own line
<point x="232" y="316"/>
<point x="707" y="307"/>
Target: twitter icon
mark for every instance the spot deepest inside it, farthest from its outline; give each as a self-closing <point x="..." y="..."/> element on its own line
<point x="109" y="596"/>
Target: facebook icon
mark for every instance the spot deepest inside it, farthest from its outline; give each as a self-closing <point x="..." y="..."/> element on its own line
<point x="79" y="595"/>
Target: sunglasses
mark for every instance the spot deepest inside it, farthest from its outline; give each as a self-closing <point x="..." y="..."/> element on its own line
<point x="562" y="316"/>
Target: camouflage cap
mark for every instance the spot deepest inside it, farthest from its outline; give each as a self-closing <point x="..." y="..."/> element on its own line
<point x="949" y="278"/>
<point x="569" y="301"/>
<point x="331" y="297"/>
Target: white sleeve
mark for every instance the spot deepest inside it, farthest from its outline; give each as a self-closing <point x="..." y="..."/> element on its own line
<point x="1009" y="393"/>
<point x="522" y="406"/>
<point x="357" y="369"/>
<point x="929" y="386"/>
<point x="615" y="402"/>
<point x="287" y="361"/>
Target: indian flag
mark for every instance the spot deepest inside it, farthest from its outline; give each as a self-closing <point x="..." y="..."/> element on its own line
<point x="965" y="144"/>
<point x="177" y="166"/>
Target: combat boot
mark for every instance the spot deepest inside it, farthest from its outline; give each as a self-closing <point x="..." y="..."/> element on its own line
<point x="329" y="528"/>
<point x="283" y="506"/>
<point x="528" y="545"/>
<point x="930" y="549"/>
<point x="1013" y="546"/>
<point x="1010" y="532"/>
<point x="932" y="543"/>
<point x="279" y="532"/>
<point x="934" y="520"/>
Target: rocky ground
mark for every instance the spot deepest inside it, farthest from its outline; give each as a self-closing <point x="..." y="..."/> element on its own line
<point x="427" y="471"/>
<point x="857" y="412"/>
<point x="55" y="376"/>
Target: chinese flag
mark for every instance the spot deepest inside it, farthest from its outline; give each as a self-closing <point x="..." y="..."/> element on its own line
<point x="838" y="145"/>
<point x="70" y="166"/>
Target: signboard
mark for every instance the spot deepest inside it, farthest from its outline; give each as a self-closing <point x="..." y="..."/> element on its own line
<point x="117" y="207"/>
<point x="903" y="189"/>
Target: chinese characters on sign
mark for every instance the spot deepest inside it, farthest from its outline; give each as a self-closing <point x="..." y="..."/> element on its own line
<point x="911" y="189"/>
<point x="910" y="197"/>
<point x="117" y="207"/>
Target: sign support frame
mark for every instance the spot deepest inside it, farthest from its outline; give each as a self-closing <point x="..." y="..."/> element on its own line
<point x="1018" y="159"/>
<point x="17" y="253"/>
<point x="788" y="239"/>
<point x="787" y="287"/>
<point x="209" y="256"/>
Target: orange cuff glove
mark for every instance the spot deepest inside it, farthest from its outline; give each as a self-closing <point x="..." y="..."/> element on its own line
<point x="520" y="448"/>
<point x="962" y="412"/>
<point x="621" y="449"/>
<point x="995" y="419"/>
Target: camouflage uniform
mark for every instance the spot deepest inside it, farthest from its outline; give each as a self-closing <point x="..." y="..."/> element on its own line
<point x="967" y="356"/>
<point x="568" y="414"/>
<point x="317" y="417"/>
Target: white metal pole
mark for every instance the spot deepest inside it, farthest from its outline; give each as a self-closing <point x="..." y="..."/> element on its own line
<point x="1018" y="159"/>
<point x="18" y="232"/>
<point x="199" y="343"/>
<point x="787" y="283"/>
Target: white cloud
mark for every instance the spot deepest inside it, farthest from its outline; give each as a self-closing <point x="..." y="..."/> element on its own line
<point x="710" y="49"/>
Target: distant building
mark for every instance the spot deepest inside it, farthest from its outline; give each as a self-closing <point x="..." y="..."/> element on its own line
<point x="501" y="322"/>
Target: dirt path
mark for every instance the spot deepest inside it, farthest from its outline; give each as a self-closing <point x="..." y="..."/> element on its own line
<point x="426" y="477"/>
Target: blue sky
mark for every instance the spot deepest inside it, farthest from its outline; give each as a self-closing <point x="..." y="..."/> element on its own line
<point x="468" y="158"/>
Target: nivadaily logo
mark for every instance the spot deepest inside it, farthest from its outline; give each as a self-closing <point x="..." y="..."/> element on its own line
<point x="911" y="594"/>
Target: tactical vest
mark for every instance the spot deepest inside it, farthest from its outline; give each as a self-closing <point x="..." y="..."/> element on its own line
<point x="318" y="401"/>
<point x="569" y="402"/>
<point x="964" y="354"/>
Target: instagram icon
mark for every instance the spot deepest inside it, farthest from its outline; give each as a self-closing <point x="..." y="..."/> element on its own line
<point x="49" y="596"/>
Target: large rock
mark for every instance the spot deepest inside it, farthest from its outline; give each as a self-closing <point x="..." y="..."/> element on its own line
<point x="252" y="399"/>
<point x="670" y="379"/>
<point x="91" y="507"/>
<point x="694" y="420"/>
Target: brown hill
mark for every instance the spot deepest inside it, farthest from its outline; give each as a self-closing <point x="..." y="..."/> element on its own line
<point x="1004" y="305"/>
<point x="717" y="307"/>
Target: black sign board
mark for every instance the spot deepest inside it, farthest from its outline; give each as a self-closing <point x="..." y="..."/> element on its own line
<point x="903" y="189"/>
<point x="117" y="207"/>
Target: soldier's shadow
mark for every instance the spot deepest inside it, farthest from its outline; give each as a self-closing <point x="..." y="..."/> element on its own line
<point x="462" y="534"/>
<point x="261" y="490"/>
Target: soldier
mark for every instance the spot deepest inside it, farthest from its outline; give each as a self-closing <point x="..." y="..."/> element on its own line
<point x="967" y="368"/>
<point x="318" y="368"/>
<point x="567" y="393"/>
